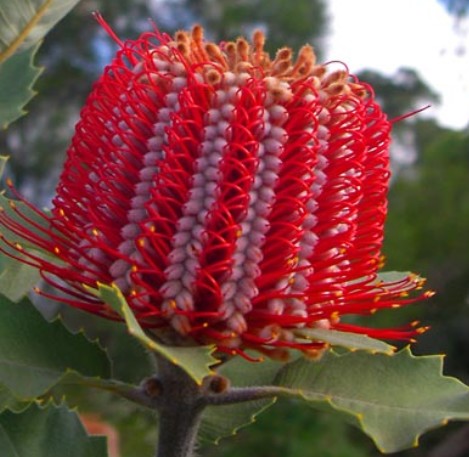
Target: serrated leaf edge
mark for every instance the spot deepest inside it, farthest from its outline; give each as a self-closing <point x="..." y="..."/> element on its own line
<point x="81" y="333"/>
<point x="252" y="420"/>
<point x="51" y="403"/>
<point x="30" y="88"/>
<point x="358" y="417"/>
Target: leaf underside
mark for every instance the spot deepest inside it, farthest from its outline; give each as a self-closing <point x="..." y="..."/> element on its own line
<point x="393" y="399"/>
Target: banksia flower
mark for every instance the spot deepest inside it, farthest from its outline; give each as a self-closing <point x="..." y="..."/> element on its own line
<point x="234" y="198"/>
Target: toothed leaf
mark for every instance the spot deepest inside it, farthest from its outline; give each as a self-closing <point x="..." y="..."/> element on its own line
<point x="17" y="77"/>
<point x="47" y="432"/>
<point x="10" y="402"/>
<point x="224" y="421"/>
<point x="36" y="354"/>
<point x="393" y="399"/>
<point x="23" y="24"/>
<point x="195" y="360"/>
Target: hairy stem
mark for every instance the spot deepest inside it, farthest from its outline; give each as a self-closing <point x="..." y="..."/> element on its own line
<point x="244" y="394"/>
<point x="180" y="411"/>
<point x="180" y="402"/>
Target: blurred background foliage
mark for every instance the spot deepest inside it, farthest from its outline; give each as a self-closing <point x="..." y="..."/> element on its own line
<point x="428" y="222"/>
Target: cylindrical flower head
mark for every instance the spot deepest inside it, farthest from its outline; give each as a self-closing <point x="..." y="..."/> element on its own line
<point x="233" y="198"/>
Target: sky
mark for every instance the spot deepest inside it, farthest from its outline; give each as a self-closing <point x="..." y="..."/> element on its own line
<point x="387" y="34"/>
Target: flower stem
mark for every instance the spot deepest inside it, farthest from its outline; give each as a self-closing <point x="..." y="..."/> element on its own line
<point x="180" y="402"/>
<point x="180" y="412"/>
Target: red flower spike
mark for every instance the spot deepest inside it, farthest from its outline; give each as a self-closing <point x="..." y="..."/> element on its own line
<point x="231" y="197"/>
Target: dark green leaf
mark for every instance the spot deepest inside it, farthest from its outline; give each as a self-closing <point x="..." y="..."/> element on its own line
<point x="131" y="362"/>
<point x="10" y="402"/>
<point x="223" y="421"/>
<point x="35" y="354"/>
<point x="393" y="399"/>
<point x="47" y="432"/>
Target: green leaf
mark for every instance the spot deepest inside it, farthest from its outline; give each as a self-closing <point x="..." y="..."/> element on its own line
<point x="131" y="362"/>
<point x="47" y="432"/>
<point x="3" y="163"/>
<point x="399" y="281"/>
<point x="393" y="399"/>
<point x="23" y="23"/>
<point x="194" y="360"/>
<point x="16" y="278"/>
<point x="245" y="373"/>
<point x="73" y="390"/>
<point x="222" y="421"/>
<point x="17" y="76"/>
<point x="351" y="341"/>
<point x="36" y="354"/>
<point x="394" y="276"/>
<point x="10" y="402"/>
<point x="17" y="212"/>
